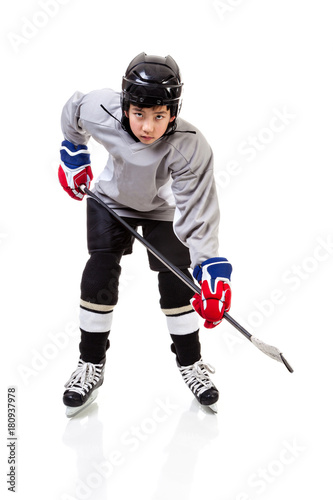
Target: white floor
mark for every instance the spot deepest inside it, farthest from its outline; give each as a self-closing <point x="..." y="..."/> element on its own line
<point x="263" y="68"/>
<point x="146" y="436"/>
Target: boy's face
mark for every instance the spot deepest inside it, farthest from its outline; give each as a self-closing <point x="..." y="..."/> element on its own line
<point x="149" y="124"/>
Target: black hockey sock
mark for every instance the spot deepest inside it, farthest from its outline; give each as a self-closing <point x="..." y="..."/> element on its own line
<point x="93" y="346"/>
<point x="187" y="348"/>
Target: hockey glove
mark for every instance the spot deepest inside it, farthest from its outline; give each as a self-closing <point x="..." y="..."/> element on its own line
<point x="74" y="169"/>
<point x="214" y="300"/>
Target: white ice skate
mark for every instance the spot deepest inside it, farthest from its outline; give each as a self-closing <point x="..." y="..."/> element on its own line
<point x="196" y="376"/>
<point x="81" y="388"/>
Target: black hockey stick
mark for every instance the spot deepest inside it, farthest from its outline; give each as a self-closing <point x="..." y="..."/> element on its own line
<point x="271" y="351"/>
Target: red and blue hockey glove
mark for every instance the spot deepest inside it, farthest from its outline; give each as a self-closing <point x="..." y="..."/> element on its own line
<point x="214" y="300"/>
<point x="74" y="169"/>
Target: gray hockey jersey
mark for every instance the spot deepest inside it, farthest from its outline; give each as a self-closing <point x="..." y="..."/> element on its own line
<point x="171" y="179"/>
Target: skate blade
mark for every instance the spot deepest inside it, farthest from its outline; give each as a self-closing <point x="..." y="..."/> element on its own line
<point x="214" y="408"/>
<point x="71" y="411"/>
<point x="210" y="408"/>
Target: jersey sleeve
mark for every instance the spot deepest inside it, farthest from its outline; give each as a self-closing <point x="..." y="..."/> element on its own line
<point x="197" y="214"/>
<point x="70" y="120"/>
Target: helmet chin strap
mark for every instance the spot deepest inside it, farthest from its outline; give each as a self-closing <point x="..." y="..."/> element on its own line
<point x="108" y="112"/>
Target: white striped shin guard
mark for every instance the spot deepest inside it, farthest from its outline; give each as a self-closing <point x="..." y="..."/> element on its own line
<point x="181" y="320"/>
<point x="95" y="318"/>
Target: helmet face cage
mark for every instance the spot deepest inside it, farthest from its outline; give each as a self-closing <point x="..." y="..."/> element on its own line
<point x="152" y="81"/>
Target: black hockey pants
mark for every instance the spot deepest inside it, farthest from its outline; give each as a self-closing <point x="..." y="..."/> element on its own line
<point x="108" y="241"/>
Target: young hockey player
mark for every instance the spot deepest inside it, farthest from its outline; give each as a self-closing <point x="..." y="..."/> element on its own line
<point x="159" y="175"/>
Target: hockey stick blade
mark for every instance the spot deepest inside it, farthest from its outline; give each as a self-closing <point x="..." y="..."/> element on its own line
<point x="270" y="351"/>
<point x="286" y="364"/>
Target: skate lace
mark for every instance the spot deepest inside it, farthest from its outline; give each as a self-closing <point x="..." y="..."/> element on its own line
<point x="197" y="376"/>
<point x="84" y="377"/>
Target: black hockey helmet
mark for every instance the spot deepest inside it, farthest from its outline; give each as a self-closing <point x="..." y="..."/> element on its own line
<point x="152" y="81"/>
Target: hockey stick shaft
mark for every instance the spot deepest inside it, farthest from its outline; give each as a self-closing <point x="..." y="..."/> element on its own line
<point x="183" y="276"/>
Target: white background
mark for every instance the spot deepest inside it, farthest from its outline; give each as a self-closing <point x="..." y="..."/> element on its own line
<point x="244" y="63"/>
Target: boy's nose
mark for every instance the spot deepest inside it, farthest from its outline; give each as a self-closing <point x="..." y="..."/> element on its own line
<point x="147" y="126"/>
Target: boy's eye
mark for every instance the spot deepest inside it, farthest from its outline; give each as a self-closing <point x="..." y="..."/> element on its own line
<point x="139" y="115"/>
